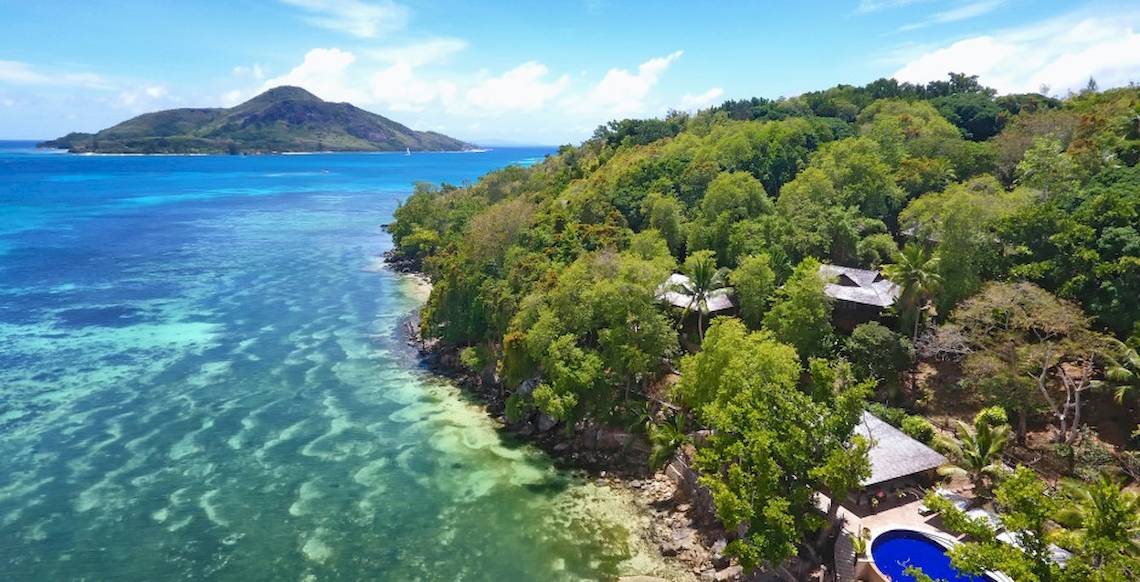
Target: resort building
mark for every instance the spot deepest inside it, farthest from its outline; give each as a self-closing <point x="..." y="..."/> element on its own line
<point x="860" y="295"/>
<point x="898" y="462"/>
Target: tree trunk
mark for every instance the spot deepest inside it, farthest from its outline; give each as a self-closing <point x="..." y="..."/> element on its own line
<point x="701" y="325"/>
<point x="1021" y="428"/>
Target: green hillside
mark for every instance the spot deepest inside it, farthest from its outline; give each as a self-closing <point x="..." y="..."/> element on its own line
<point x="283" y="119"/>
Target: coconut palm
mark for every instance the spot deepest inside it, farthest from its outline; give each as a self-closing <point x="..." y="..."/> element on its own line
<point x="916" y="274"/>
<point x="704" y="280"/>
<point x="978" y="456"/>
<point x="1103" y="518"/>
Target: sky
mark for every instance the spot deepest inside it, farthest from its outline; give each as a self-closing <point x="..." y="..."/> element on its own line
<point x="528" y="72"/>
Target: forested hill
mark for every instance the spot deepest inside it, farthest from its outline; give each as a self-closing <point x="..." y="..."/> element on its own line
<point x="1010" y="224"/>
<point x="283" y="119"/>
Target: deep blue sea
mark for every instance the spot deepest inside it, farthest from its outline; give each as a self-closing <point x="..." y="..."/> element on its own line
<point x="201" y="378"/>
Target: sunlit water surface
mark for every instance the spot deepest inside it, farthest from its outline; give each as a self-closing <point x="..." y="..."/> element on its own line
<point x="201" y="378"/>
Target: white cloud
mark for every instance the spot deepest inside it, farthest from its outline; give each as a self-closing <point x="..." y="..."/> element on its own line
<point x="156" y="91"/>
<point x="621" y="92"/>
<point x="398" y="88"/>
<point x="963" y="12"/>
<point x="690" y="101"/>
<point x="324" y="72"/>
<point x="231" y="98"/>
<point x="421" y="53"/>
<point x="523" y="88"/>
<point x="355" y="17"/>
<point x="404" y="82"/>
<point x="255" y="72"/>
<point x="1061" y="53"/>
<point x="19" y="73"/>
<point x="868" y="6"/>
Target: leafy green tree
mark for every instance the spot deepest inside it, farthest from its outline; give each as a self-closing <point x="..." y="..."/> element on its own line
<point x="978" y="456"/>
<point x="879" y="353"/>
<point x="976" y="114"/>
<point x="768" y="438"/>
<point x="573" y="376"/>
<point x="1047" y="169"/>
<point x="861" y="178"/>
<point x="843" y="471"/>
<point x="754" y="282"/>
<point x="1103" y="523"/>
<point x="801" y="312"/>
<point x="666" y="215"/>
<point x="711" y="378"/>
<point x="1018" y="340"/>
<point x="876" y="249"/>
<point x="916" y="274"/>
<point x="730" y="198"/>
<point x="963" y="220"/>
<point x="705" y="279"/>
<point x="1084" y="246"/>
<point x="605" y="305"/>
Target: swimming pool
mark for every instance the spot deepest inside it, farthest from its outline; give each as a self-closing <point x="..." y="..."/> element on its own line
<point x="895" y="549"/>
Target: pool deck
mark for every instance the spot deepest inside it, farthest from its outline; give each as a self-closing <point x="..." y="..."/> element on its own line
<point x="902" y="516"/>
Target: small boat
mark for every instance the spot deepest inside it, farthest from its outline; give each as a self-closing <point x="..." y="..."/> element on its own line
<point x="407" y="151"/>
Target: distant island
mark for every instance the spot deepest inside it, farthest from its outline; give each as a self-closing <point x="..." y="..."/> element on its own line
<point x="282" y="119"/>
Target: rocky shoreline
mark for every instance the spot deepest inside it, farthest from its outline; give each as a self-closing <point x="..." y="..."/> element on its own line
<point x="683" y="527"/>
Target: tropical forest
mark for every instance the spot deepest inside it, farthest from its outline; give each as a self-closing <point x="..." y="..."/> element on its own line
<point x="749" y="289"/>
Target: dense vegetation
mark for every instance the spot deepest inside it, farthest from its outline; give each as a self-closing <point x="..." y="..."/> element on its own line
<point x="283" y="119"/>
<point x="1009" y="222"/>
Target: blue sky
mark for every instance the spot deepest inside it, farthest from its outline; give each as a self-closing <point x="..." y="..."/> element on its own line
<point x="531" y="72"/>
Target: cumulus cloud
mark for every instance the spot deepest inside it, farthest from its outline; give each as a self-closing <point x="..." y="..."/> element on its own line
<point x="958" y="13"/>
<point x="523" y="88"/>
<point x="405" y="79"/>
<point x="621" y="92"/>
<point x="398" y="88"/>
<point x="690" y="101"/>
<point x="356" y="17"/>
<point x="324" y="72"/>
<point x="1061" y="53"/>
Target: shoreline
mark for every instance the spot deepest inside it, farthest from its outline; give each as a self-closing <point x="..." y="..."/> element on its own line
<point x="688" y="540"/>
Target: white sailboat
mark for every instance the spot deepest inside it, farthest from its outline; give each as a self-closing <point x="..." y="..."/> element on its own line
<point x="407" y="151"/>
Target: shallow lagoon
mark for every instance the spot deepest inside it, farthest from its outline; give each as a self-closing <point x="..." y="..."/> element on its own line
<point x="201" y="378"/>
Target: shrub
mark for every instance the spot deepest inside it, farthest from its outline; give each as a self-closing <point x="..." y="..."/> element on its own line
<point x="919" y="429"/>
<point x="991" y="416"/>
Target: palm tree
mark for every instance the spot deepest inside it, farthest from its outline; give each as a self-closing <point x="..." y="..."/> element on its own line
<point x="1122" y="371"/>
<point x="916" y="274"/>
<point x="1102" y="518"/>
<point x="704" y="279"/>
<point x="665" y="439"/>
<point x="978" y="457"/>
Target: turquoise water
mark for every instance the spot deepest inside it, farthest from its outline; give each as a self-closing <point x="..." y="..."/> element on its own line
<point x="201" y="378"/>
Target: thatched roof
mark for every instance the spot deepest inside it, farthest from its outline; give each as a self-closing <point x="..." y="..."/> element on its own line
<point x="893" y="453"/>
<point x="859" y="286"/>
<point x="670" y="292"/>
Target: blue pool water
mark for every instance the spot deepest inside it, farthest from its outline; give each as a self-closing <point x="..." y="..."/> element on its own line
<point x="895" y="550"/>
<point x="201" y="379"/>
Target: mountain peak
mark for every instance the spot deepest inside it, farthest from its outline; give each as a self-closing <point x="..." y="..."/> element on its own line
<point x="285" y="93"/>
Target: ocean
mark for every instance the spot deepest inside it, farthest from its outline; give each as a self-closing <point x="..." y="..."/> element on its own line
<point x="202" y="378"/>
